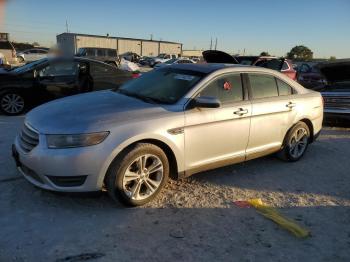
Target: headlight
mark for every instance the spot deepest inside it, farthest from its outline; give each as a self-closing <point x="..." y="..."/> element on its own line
<point x="78" y="140"/>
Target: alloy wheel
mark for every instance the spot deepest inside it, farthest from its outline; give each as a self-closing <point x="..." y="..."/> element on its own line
<point x="143" y="177"/>
<point x="298" y="142"/>
<point x="12" y="103"/>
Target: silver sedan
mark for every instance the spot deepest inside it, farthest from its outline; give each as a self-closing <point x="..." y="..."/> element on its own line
<point x="171" y="122"/>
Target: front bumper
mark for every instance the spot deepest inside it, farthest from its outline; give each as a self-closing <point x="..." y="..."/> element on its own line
<point x="65" y="170"/>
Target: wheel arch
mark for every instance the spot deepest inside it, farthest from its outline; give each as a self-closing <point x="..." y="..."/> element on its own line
<point x="174" y="162"/>
<point x="310" y="126"/>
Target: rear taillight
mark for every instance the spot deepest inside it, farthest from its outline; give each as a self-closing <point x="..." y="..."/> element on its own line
<point x="136" y="75"/>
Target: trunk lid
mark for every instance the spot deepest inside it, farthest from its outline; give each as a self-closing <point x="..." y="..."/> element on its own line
<point x="216" y="56"/>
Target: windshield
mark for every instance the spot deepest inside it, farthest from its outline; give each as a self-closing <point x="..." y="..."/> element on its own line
<point x="163" y="86"/>
<point x="29" y="66"/>
<point x="170" y="61"/>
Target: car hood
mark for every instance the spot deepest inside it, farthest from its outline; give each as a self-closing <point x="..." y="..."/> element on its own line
<point x="91" y="112"/>
<point x="216" y="56"/>
<point x="337" y="71"/>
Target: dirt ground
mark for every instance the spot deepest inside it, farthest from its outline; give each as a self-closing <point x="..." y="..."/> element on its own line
<point x="192" y="220"/>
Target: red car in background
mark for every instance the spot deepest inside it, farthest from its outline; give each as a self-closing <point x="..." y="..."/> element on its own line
<point x="283" y="65"/>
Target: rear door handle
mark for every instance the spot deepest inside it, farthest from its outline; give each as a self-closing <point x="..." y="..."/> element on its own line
<point x="291" y="105"/>
<point x="241" y="112"/>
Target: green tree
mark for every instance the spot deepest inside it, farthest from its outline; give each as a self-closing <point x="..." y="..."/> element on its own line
<point x="264" y="53"/>
<point x="332" y="58"/>
<point x="300" y="52"/>
<point x="36" y="44"/>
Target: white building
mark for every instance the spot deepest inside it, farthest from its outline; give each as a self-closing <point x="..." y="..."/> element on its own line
<point x="71" y="42"/>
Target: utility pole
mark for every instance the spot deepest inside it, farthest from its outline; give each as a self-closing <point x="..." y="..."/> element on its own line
<point x="151" y="37"/>
<point x="67" y="26"/>
<point x="216" y="43"/>
<point x="211" y="43"/>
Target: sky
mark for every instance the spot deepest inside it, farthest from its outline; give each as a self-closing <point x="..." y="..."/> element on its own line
<point x="249" y="26"/>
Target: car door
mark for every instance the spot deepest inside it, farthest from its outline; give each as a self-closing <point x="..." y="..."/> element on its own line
<point x="218" y="136"/>
<point x="272" y="113"/>
<point x="59" y="79"/>
<point x="106" y="77"/>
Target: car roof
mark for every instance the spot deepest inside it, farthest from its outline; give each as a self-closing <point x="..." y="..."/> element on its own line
<point x="206" y="68"/>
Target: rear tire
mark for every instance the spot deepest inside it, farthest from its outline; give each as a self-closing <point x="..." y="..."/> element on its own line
<point x="12" y="103"/>
<point x="137" y="175"/>
<point x="295" y="143"/>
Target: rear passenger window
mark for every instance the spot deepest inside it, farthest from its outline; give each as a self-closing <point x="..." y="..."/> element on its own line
<point x="100" y="52"/>
<point x="263" y="86"/>
<point x="227" y="89"/>
<point x="283" y="88"/>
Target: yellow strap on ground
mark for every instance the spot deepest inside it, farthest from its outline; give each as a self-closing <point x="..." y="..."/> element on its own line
<point x="275" y="216"/>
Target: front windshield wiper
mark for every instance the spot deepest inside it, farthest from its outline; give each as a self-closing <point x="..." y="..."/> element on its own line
<point x="147" y="99"/>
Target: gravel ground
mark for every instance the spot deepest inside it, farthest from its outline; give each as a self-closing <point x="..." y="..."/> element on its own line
<point x="192" y="220"/>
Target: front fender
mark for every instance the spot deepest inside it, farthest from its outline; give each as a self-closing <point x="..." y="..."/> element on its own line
<point x="174" y="142"/>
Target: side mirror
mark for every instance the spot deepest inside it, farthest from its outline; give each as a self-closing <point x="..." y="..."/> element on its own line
<point x="206" y="102"/>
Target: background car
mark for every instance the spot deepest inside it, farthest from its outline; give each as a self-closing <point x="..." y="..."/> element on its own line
<point x="336" y="93"/>
<point x="9" y="52"/>
<point x="174" y="61"/>
<point x="48" y="79"/>
<point x="282" y="65"/>
<point x="106" y="55"/>
<point x="310" y="76"/>
<point x="31" y="55"/>
<point x="161" y="58"/>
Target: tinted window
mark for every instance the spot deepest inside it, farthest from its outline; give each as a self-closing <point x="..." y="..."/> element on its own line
<point x="60" y="69"/>
<point x="283" y="88"/>
<point x="227" y="89"/>
<point x="285" y="66"/>
<point x="90" y="52"/>
<point x="262" y="86"/>
<point x="112" y="52"/>
<point x="100" y="52"/>
<point x="166" y="85"/>
<point x="42" y="52"/>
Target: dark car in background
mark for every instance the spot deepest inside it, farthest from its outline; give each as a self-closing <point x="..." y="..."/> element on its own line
<point x="51" y="78"/>
<point x="309" y="76"/>
<point x="282" y="65"/>
<point x="336" y="93"/>
<point x="106" y="55"/>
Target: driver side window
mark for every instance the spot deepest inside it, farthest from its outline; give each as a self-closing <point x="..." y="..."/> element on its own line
<point x="59" y="69"/>
<point x="227" y="88"/>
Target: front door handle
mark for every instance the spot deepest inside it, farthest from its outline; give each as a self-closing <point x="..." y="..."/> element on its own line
<point x="241" y="112"/>
<point x="291" y="105"/>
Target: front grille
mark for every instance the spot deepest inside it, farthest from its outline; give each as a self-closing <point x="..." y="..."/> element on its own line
<point x="29" y="138"/>
<point x="337" y="102"/>
<point x="67" y="181"/>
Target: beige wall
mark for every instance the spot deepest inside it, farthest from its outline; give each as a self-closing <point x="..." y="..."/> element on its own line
<point x="149" y="48"/>
<point x="170" y="48"/>
<point x="129" y="46"/>
<point x="188" y="53"/>
<point x="88" y="41"/>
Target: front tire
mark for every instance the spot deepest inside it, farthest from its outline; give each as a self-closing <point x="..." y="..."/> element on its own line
<point x="137" y="175"/>
<point x="12" y="103"/>
<point x="295" y="143"/>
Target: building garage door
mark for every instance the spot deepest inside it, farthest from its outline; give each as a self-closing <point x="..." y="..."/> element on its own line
<point x="170" y="48"/>
<point x="129" y="46"/>
<point x="150" y="48"/>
